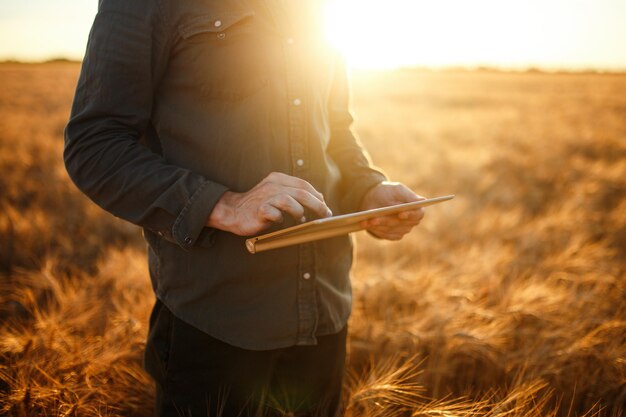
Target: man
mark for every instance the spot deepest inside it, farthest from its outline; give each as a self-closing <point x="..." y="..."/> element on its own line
<point x="207" y="121"/>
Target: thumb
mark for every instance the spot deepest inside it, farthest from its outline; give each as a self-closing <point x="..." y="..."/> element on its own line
<point x="405" y="195"/>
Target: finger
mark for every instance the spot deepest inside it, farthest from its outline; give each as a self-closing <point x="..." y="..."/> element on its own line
<point x="412" y="215"/>
<point x="408" y="223"/>
<point x="388" y="236"/>
<point x="386" y="221"/>
<point x="392" y="222"/>
<point x="294" y="182"/>
<point x="287" y="204"/>
<point x="310" y="201"/>
<point x="271" y="213"/>
<point x="392" y="230"/>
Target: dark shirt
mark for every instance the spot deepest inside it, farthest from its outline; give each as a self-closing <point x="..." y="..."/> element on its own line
<point x="180" y="101"/>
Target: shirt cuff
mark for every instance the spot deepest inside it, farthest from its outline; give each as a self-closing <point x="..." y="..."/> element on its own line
<point x="193" y="217"/>
<point x="354" y="196"/>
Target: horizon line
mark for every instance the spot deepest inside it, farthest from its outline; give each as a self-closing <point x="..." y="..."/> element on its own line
<point x="466" y="68"/>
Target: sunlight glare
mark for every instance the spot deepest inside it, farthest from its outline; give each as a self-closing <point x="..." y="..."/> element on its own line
<point x="411" y="32"/>
<point x="441" y="33"/>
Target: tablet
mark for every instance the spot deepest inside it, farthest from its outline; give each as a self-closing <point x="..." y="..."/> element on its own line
<point x="331" y="226"/>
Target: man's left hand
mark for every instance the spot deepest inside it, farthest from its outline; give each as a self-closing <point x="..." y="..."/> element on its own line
<point x="392" y="227"/>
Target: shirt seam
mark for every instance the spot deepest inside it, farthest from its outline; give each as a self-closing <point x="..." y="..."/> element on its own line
<point x="164" y="22"/>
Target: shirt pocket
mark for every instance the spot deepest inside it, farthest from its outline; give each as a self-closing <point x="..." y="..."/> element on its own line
<point x="225" y="55"/>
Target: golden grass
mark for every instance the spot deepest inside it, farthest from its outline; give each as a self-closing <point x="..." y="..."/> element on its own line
<point x="508" y="301"/>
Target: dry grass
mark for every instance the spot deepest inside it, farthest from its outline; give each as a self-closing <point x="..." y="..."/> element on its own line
<point x="509" y="301"/>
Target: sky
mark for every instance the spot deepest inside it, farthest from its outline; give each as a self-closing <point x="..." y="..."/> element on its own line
<point x="550" y="34"/>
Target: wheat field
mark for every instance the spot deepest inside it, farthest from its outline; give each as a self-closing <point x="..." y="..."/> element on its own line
<point x="508" y="301"/>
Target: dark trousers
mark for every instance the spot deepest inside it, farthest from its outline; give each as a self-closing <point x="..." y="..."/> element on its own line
<point x="198" y="375"/>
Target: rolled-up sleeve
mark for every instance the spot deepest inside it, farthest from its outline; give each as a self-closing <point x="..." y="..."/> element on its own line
<point x="127" y="54"/>
<point x="358" y="174"/>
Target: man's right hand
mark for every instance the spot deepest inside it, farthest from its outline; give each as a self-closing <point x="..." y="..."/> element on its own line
<point x="249" y="213"/>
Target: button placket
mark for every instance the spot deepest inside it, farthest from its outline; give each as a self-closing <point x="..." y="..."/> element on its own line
<point x="297" y="134"/>
<point x="306" y="298"/>
<point x="307" y="301"/>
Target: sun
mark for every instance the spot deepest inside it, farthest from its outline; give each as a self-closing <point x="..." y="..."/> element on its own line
<point x="350" y="26"/>
<point x="397" y="33"/>
<point x="390" y="34"/>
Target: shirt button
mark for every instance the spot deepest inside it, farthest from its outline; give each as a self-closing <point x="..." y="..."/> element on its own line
<point x="297" y="102"/>
<point x="306" y="275"/>
<point x="188" y="240"/>
<point x="221" y="35"/>
<point x="300" y="162"/>
<point x="217" y="23"/>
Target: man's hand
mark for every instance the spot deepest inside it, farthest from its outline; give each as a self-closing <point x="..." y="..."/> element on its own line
<point x="248" y="213"/>
<point x="396" y="226"/>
